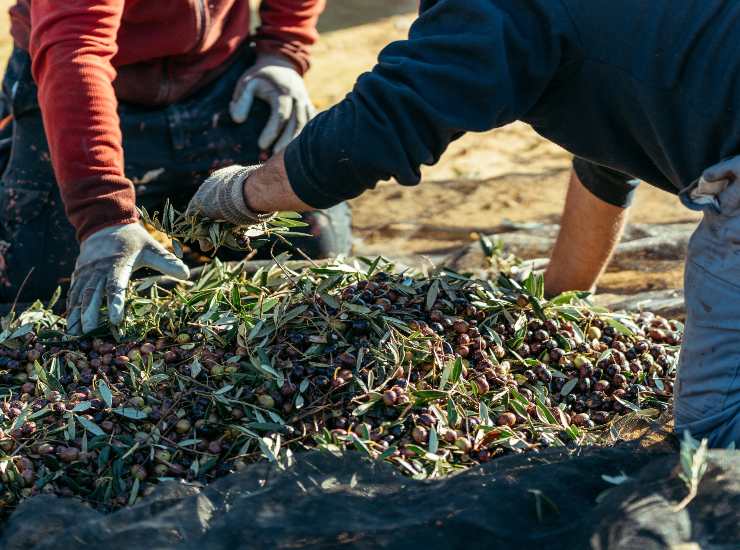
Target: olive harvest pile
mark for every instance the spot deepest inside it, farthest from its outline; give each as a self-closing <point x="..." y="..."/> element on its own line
<point x="431" y="373"/>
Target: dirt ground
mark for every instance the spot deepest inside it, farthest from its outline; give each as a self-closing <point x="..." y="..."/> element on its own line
<point x="484" y="179"/>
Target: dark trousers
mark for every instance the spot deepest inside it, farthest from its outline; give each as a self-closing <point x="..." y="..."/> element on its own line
<point x="168" y="153"/>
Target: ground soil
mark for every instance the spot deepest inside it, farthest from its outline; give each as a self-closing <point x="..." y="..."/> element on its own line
<point x="484" y="179"/>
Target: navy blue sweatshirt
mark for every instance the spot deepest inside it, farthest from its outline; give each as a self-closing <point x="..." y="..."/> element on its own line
<point x="648" y="89"/>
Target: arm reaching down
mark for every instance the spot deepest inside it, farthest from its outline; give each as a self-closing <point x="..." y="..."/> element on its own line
<point x="72" y="44"/>
<point x="590" y="229"/>
<point x="468" y="65"/>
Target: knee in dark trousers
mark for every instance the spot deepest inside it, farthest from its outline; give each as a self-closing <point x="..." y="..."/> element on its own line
<point x="168" y="153"/>
<point x="39" y="245"/>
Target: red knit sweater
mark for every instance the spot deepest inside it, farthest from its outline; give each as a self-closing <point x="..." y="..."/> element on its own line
<point x="88" y="54"/>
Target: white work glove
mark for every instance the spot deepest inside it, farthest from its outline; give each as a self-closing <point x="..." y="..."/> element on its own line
<point x="107" y="259"/>
<point x="273" y="79"/>
<point x="221" y="198"/>
<point x="715" y="180"/>
<point x="728" y="170"/>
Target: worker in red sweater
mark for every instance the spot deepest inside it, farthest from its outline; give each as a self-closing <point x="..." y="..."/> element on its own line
<point x="117" y="102"/>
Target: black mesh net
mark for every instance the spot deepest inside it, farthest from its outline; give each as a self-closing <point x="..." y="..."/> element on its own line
<point x="553" y="499"/>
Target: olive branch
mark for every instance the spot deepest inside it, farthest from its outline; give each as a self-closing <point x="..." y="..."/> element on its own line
<point x="693" y="466"/>
<point x="184" y="228"/>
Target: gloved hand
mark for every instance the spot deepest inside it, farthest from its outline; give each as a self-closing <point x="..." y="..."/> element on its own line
<point x="221" y="197"/>
<point x="715" y="180"/>
<point x="273" y="79"/>
<point x="107" y="259"/>
<point x="728" y="169"/>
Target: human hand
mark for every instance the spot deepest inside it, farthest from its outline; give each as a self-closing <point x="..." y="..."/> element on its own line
<point x="107" y="259"/>
<point x="273" y="79"/>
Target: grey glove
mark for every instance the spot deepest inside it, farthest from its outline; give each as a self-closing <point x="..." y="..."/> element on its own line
<point x="221" y="197"/>
<point x="715" y="180"/>
<point x="273" y="79"/>
<point x="107" y="259"/>
<point x="728" y="169"/>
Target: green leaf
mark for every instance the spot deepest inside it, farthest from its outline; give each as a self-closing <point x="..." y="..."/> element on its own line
<point x="568" y="386"/>
<point x="451" y="372"/>
<point x="433" y="440"/>
<point x="483" y="413"/>
<point x="427" y="395"/>
<point x="362" y="409"/>
<point x="331" y="301"/>
<point x="134" y="492"/>
<point x="569" y="297"/>
<point x="486" y="245"/>
<point x="388" y="452"/>
<point x="105" y="394"/>
<point x="90" y="426"/>
<point x="452" y="416"/>
<point x="628" y="404"/>
<point x="356" y="308"/>
<point x="432" y="295"/>
<point x="544" y="414"/>
<point x="625" y="327"/>
<point x="82" y="407"/>
<point x="224" y="389"/>
<point x="54" y="298"/>
<point x="605" y="355"/>
<point x="195" y="368"/>
<point x="265" y="444"/>
<point x="129" y="412"/>
<point x="21" y="331"/>
<point x="457" y="369"/>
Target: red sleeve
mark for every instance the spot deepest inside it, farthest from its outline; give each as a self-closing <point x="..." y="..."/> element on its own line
<point x="72" y="44"/>
<point x="288" y="27"/>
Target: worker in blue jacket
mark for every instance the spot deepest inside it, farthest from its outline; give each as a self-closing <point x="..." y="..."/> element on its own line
<point x="634" y="89"/>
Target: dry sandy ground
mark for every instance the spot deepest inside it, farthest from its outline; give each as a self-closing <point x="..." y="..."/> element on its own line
<point x="484" y="179"/>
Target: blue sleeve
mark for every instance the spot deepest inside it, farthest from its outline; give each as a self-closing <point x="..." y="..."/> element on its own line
<point x="468" y="65"/>
<point x="609" y="185"/>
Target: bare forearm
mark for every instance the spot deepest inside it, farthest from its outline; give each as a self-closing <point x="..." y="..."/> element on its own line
<point x="590" y="230"/>
<point x="268" y="189"/>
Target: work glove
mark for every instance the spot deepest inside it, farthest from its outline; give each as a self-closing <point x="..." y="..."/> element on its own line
<point x="221" y="198"/>
<point x="107" y="259"/>
<point x="715" y="180"/>
<point x="273" y="79"/>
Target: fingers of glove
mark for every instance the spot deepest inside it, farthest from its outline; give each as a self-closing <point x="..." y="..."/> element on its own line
<point x="242" y="103"/>
<point x="725" y="170"/>
<point x="312" y="112"/>
<point x="194" y="204"/>
<point x="74" y="322"/>
<point x="115" y="290"/>
<point x="239" y="88"/>
<point x="92" y="299"/>
<point x="302" y="117"/>
<point x="281" y="106"/>
<point x="166" y="263"/>
<point x="74" y="313"/>
<point x="290" y="130"/>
